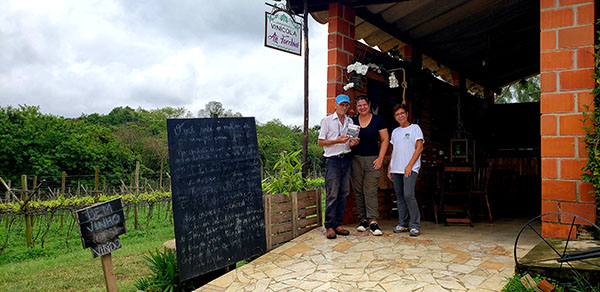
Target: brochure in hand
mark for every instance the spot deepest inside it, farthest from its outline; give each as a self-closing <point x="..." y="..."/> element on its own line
<point x="353" y="131"/>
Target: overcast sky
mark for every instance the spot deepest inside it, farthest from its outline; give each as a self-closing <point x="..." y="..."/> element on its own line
<point x="76" y="57"/>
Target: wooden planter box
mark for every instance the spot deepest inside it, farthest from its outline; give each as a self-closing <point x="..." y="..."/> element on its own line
<point x="289" y="217"/>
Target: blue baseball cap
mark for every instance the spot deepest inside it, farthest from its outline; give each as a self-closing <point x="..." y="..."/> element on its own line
<point x="342" y="98"/>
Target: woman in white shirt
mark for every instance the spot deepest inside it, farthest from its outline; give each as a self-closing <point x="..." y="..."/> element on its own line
<point x="407" y="145"/>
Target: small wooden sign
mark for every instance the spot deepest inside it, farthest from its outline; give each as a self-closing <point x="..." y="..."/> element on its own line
<point x="100" y="226"/>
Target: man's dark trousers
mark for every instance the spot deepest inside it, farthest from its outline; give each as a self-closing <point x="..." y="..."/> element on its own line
<point x="337" y="185"/>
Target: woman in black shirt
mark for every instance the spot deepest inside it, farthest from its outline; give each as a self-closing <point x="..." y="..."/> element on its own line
<point x="366" y="164"/>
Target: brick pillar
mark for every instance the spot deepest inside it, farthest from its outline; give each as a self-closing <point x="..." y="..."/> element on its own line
<point x="566" y="68"/>
<point x="340" y="49"/>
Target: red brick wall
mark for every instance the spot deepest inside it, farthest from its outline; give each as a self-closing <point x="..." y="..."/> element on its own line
<point x="340" y="49"/>
<point x="566" y="68"/>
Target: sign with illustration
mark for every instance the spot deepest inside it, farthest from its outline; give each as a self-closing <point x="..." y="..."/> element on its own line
<point x="282" y="32"/>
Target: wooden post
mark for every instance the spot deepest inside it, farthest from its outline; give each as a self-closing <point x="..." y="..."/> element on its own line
<point x="294" y="199"/>
<point x="137" y="192"/>
<point x="25" y="198"/>
<point x="161" y="176"/>
<point x="34" y="185"/>
<point x="96" y="183"/>
<point x="267" y="203"/>
<point x="109" y="274"/>
<point x="305" y="130"/>
<point x="62" y="183"/>
<point x="62" y="193"/>
<point x="7" y="194"/>
<point x="319" y="207"/>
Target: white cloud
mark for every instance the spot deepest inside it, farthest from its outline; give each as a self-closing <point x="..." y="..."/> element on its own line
<point x="74" y="57"/>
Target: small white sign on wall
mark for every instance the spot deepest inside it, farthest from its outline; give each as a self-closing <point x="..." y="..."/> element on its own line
<point x="282" y="32"/>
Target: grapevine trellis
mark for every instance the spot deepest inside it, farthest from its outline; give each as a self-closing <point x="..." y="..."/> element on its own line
<point x="38" y="208"/>
<point x="37" y="215"/>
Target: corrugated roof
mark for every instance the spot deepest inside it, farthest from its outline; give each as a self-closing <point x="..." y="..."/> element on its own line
<point x="490" y="42"/>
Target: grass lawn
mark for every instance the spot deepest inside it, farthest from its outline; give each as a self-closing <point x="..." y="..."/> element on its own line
<point x="58" y="268"/>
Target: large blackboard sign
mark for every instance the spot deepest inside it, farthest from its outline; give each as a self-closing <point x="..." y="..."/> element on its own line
<point x="217" y="195"/>
<point x="100" y="226"/>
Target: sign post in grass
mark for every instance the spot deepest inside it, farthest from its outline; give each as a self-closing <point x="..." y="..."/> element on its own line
<point x="100" y="226"/>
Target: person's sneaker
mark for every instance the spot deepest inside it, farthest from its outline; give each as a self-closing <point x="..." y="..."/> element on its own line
<point x="414" y="232"/>
<point x="375" y="229"/>
<point x="400" y="228"/>
<point x="362" y="227"/>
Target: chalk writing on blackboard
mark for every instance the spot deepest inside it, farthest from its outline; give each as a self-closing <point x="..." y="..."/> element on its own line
<point x="217" y="196"/>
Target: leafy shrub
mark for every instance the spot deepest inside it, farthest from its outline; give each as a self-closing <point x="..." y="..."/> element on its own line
<point x="288" y="177"/>
<point x="576" y="285"/>
<point x="165" y="275"/>
<point x="315" y="183"/>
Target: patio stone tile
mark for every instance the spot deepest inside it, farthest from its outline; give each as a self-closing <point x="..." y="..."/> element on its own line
<point x="461" y="259"/>
<point x="472" y="281"/>
<point x="276" y="271"/>
<point x="391" y="277"/>
<point x="434" y="288"/>
<point x="297" y="249"/>
<point x="309" y="285"/>
<point x="426" y="278"/>
<point x="451" y="284"/>
<point x="323" y="276"/>
<point x="323" y="287"/>
<point x="490" y="265"/>
<point x="367" y="284"/>
<point x="379" y="275"/>
<point x="439" y="260"/>
<point x="235" y="286"/>
<point x="494" y="281"/>
<point x="242" y="278"/>
<point x="302" y="266"/>
<point x="343" y="246"/>
<point x="224" y="281"/>
<point x="434" y="265"/>
<point x="210" y="288"/>
<point x="461" y="268"/>
<point x="279" y="286"/>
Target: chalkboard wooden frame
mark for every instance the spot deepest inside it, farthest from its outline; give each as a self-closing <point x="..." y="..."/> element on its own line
<point x="216" y="192"/>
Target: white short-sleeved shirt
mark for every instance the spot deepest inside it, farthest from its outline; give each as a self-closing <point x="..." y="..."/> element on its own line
<point x="331" y="129"/>
<point x="404" y="141"/>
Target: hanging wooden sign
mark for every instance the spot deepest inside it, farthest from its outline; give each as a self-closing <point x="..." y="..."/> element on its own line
<point x="282" y="32"/>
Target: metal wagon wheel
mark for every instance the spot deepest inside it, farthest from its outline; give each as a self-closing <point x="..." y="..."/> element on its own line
<point x="531" y="248"/>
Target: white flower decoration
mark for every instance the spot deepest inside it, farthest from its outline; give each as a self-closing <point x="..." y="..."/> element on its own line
<point x="348" y="86"/>
<point x="358" y="67"/>
<point x="393" y="81"/>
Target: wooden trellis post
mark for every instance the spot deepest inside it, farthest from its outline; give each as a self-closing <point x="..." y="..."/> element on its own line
<point x="137" y="192"/>
<point x="28" y="231"/>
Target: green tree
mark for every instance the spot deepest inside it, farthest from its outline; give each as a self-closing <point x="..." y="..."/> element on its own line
<point x="275" y="138"/>
<point x="526" y="90"/>
<point x="215" y="108"/>
<point x="37" y="144"/>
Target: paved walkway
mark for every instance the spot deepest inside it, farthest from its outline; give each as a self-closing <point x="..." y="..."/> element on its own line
<point x="443" y="258"/>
